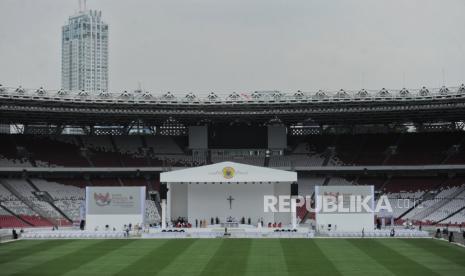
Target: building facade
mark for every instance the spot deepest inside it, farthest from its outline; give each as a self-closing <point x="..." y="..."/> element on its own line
<point x="85" y="52"/>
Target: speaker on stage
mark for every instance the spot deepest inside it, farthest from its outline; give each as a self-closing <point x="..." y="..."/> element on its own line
<point x="294" y="189"/>
<point x="154" y="196"/>
<point x="82" y="224"/>
<point x="163" y="191"/>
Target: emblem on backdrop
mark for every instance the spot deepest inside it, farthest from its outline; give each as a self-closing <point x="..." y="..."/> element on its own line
<point x="102" y="199"/>
<point x="228" y="172"/>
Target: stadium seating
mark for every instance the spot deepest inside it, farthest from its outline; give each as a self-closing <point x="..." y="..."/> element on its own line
<point x="435" y="196"/>
<point x="163" y="145"/>
<point x="338" y="181"/>
<point x="450" y="207"/>
<point x="180" y="160"/>
<point x="37" y="221"/>
<point x="390" y="149"/>
<point x="152" y="215"/>
<point x="401" y="202"/>
<point x="71" y="208"/>
<point x="18" y="207"/>
<point x="9" y="221"/>
<point x="5" y="162"/>
<point x="59" y="191"/>
<point x="250" y="160"/>
<point x="133" y="150"/>
<point x="429" y="206"/>
<point x="6" y="195"/>
<point x="68" y="198"/>
<point x="296" y="160"/>
<point x="457" y="219"/>
<point x="22" y="187"/>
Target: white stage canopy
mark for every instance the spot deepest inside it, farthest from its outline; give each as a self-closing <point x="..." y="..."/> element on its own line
<point x="199" y="193"/>
<point x="228" y="172"/>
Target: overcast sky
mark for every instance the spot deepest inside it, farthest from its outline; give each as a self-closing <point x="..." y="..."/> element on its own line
<point x="246" y="45"/>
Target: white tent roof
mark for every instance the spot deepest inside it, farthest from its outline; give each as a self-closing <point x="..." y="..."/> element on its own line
<point x="228" y="172"/>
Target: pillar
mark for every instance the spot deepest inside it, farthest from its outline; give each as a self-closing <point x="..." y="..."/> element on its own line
<point x="293" y="212"/>
<point x="163" y="213"/>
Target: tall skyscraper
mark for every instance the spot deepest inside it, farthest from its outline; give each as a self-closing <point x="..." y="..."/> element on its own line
<point x="84" y="64"/>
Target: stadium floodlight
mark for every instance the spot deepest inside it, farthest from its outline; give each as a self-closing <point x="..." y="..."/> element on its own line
<point x="362" y="93"/>
<point x="104" y="94"/>
<point x="443" y="90"/>
<point x="234" y="96"/>
<point x="462" y="89"/>
<point x="190" y="96"/>
<point x="40" y="91"/>
<point x="404" y="92"/>
<point x="212" y="96"/>
<point x="125" y="94"/>
<point x="384" y="92"/>
<point x="341" y="94"/>
<point x="20" y="90"/>
<point x="320" y="94"/>
<point x="168" y="96"/>
<point x="146" y="95"/>
<point x="62" y="92"/>
<point x="276" y="95"/>
<point x="256" y="95"/>
<point x="299" y="94"/>
<point x="83" y="93"/>
<point x="424" y="91"/>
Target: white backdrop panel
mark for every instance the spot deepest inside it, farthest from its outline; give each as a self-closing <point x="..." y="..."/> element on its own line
<point x="345" y="222"/>
<point x="114" y="206"/>
<point x="205" y="201"/>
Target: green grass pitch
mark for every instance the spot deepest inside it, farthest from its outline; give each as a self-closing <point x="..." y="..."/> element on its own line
<point x="232" y="257"/>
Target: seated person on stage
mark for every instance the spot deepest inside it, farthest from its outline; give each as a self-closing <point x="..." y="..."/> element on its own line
<point x="269" y="224"/>
<point x="274" y="225"/>
<point x="182" y="222"/>
<point x="280" y="225"/>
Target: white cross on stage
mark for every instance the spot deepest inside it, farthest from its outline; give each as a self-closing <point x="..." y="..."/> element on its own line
<point x="230" y="199"/>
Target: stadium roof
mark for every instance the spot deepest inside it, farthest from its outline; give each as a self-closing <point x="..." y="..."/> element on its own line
<point x="445" y="104"/>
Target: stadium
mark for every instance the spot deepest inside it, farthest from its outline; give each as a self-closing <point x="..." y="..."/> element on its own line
<point x="138" y="183"/>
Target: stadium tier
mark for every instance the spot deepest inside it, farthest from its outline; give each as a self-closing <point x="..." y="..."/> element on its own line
<point x="322" y="150"/>
<point x="429" y="199"/>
